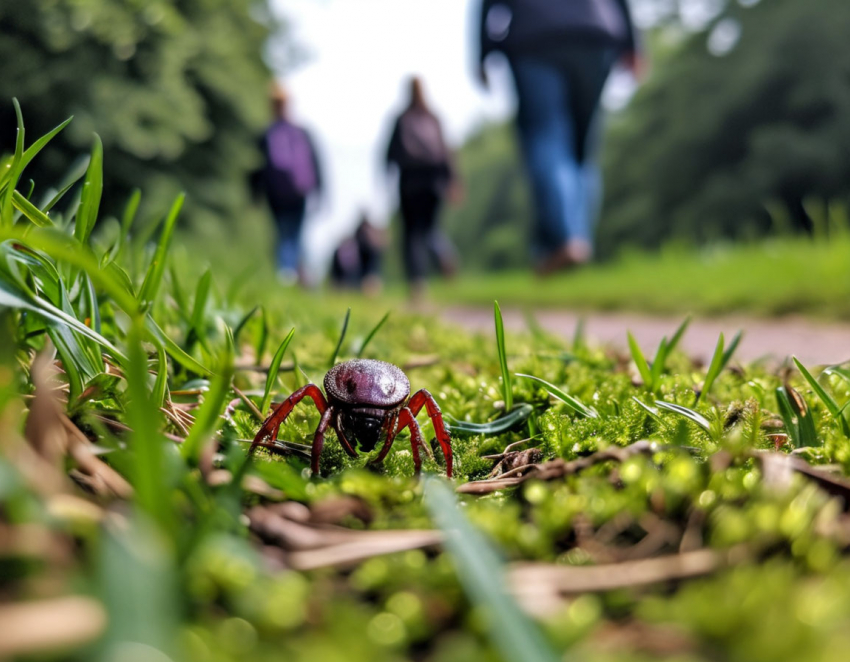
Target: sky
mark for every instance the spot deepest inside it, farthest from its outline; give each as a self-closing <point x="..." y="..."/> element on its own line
<point x="351" y="85"/>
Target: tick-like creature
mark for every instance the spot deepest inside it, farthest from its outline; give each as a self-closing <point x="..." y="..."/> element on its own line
<point x="367" y="403"/>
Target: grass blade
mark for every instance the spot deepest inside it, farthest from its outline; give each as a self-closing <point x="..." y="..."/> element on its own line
<point x="371" y="334"/>
<point x="830" y="403"/>
<point x="571" y="401"/>
<point x="39" y="144"/>
<point x="640" y="360"/>
<point x="677" y="335"/>
<point x="147" y="442"/>
<point x="481" y="573"/>
<point x="153" y="278"/>
<point x="274" y="368"/>
<point x="160" y="387"/>
<point x="727" y="355"/>
<point x="92" y="191"/>
<point x="507" y="386"/>
<point x="509" y="421"/>
<point x="242" y="323"/>
<point x="714" y="368"/>
<point x="29" y="210"/>
<point x="688" y="413"/>
<point x="199" y="307"/>
<point x="263" y="340"/>
<point x="341" y="338"/>
<point x="174" y="350"/>
<point x="658" y="364"/>
<point x="208" y="417"/>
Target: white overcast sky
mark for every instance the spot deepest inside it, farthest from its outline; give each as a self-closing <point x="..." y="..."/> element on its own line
<point x="350" y="86"/>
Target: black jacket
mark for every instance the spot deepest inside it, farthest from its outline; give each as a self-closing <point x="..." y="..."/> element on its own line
<point x="523" y="27"/>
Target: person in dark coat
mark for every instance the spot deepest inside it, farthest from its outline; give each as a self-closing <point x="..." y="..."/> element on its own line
<point x="418" y="150"/>
<point x="290" y="175"/>
<point x="560" y="53"/>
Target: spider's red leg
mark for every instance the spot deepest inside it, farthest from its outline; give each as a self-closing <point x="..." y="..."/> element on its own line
<point x="407" y="420"/>
<point x="343" y="440"/>
<point x="319" y="440"/>
<point x="393" y="429"/>
<point x="272" y="423"/>
<point x="424" y="398"/>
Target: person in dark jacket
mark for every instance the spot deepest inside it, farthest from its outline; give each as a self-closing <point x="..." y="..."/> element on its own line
<point x="418" y="150"/>
<point x="290" y="176"/>
<point x="560" y="53"/>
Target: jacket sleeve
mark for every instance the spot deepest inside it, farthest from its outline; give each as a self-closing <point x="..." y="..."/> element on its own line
<point x="486" y="45"/>
<point x="317" y="164"/>
<point x="632" y="39"/>
<point x="392" y="157"/>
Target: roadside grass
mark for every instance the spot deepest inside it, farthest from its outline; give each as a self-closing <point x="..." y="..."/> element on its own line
<point x="777" y="276"/>
<point x="605" y="507"/>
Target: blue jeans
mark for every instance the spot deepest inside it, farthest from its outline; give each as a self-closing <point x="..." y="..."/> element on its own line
<point x="558" y="102"/>
<point x="288" y="252"/>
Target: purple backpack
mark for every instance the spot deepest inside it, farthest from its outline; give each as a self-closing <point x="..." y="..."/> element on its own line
<point x="291" y="172"/>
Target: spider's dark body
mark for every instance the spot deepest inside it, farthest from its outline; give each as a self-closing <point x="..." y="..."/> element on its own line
<point x="367" y="403"/>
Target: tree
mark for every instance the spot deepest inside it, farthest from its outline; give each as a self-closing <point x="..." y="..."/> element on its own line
<point x="176" y="89"/>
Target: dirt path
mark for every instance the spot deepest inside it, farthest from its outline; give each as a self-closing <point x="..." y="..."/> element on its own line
<point x="814" y="343"/>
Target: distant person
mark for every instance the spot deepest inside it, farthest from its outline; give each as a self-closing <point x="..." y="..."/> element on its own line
<point x="560" y="53"/>
<point x="356" y="262"/>
<point x="290" y="176"/>
<point x="426" y="177"/>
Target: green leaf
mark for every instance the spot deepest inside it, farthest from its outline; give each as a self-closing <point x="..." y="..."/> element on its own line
<point x="507" y="386"/>
<point x="274" y="368"/>
<point x="482" y="574"/>
<point x="571" y="401"/>
<point x="263" y="338"/>
<point x="797" y="418"/>
<point x="830" y="403"/>
<point x="92" y="191"/>
<point x="153" y="278"/>
<point x="519" y="414"/>
<point x="640" y="360"/>
<point x="371" y="334"/>
<point x="241" y="325"/>
<point x="341" y="338"/>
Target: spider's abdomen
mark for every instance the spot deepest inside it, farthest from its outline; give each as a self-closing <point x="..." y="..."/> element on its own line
<point x="367" y="383"/>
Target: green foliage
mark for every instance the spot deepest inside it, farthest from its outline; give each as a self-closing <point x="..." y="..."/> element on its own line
<point x="177" y="91"/>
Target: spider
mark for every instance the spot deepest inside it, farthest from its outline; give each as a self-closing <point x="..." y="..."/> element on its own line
<point x="366" y="403"/>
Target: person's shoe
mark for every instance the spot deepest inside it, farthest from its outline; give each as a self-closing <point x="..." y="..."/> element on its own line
<point x="555" y="261"/>
<point x="580" y="251"/>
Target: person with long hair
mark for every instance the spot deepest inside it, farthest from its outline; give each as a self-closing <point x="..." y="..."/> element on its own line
<point x="560" y="53"/>
<point x="417" y="148"/>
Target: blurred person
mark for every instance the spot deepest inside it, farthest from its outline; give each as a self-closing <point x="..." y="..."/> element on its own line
<point x="426" y="177"/>
<point x="290" y="176"/>
<point x="560" y="53"/>
<point x="357" y="261"/>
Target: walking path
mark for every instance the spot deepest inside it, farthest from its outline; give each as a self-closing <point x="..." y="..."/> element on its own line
<point x="814" y="343"/>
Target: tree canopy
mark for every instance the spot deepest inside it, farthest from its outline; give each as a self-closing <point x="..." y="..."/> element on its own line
<point x="176" y="89"/>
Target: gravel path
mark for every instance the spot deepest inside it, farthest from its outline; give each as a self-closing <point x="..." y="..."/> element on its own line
<point x="814" y="343"/>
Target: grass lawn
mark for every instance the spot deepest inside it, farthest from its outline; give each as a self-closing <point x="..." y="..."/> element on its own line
<point x="776" y="277"/>
<point x="603" y="507"/>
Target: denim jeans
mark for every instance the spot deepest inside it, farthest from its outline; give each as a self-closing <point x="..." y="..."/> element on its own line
<point x="288" y="253"/>
<point x="557" y="118"/>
